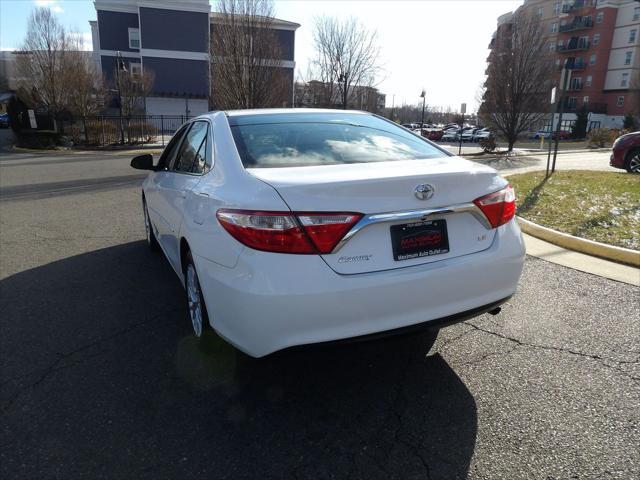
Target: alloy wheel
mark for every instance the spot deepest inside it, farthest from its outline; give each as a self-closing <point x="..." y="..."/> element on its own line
<point x="194" y="297"/>
<point x="634" y="163"/>
<point x="147" y="225"/>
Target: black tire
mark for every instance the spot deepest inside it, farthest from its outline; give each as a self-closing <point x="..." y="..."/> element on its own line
<point x="194" y="297"/>
<point x="632" y="162"/>
<point x="152" y="242"/>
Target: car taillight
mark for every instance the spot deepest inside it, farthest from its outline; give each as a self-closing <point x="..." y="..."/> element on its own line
<point x="287" y="232"/>
<point x="499" y="207"/>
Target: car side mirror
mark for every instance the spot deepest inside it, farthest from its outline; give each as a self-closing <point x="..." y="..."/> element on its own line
<point x="143" y="162"/>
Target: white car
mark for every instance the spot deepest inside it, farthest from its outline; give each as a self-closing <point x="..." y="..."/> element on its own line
<point x="480" y="134"/>
<point x="292" y="227"/>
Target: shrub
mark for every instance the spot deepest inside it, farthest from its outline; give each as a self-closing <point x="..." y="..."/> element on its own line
<point x="37" y="139"/>
<point x="601" y="137"/>
<point x="488" y="144"/>
<point x="629" y="123"/>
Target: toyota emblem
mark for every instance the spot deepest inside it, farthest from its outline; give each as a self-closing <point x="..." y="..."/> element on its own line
<point x="424" y="191"/>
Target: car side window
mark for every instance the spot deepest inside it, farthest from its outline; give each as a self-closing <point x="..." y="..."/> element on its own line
<point x="192" y="156"/>
<point x="169" y="154"/>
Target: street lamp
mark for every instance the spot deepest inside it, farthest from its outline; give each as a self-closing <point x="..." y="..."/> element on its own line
<point x="120" y="66"/>
<point x="424" y="98"/>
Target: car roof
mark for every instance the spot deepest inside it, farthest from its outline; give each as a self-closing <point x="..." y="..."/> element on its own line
<point x="289" y="111"/>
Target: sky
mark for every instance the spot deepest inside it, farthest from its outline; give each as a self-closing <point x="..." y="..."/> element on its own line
<point x="437" y="45"/>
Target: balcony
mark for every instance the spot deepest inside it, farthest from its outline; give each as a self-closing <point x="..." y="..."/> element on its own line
<point x="577" y="25"/>
<point x="577" y="5"/>
<point x="574" y="65"/>
<point x="574" y="46"/>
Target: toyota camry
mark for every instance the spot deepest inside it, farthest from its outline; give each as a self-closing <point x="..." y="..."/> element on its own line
<point x="292" y="227"/>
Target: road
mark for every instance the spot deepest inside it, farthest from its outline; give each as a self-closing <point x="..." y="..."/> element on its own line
<point x="101" y="377"/>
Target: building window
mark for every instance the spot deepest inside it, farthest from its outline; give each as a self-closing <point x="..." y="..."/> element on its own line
<point x="576" y="83"/>
<point x="620" y="101"/>
<point x="560" y="44"/>
<point x="554" y="27"/>
<point x="588" y="81"/>
<point x="558" y="62"/>
<point x="585" y="100"/>
<point x="572" y="103"/>
<point x="625" y="80"/>
<point x="134" y="38"/>
<point x="592" y="59"/>
<point x="599" y="17"/>
<point x="540" y="12"/>
<point x="627" y="58"/>
<point x="636" y="13"/>
<point x="556" y="9"/>
<point x="596" y="38"/>
<point x="632" y="36"/>
<point x="136" y="70"/>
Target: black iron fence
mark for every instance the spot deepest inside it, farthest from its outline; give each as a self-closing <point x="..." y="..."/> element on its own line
<point x="104" y="130"/>
<point x="113" y="130"/>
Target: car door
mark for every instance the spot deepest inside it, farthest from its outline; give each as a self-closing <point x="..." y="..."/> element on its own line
<point x="183" y="175"/>
<point x="156" y="203"/>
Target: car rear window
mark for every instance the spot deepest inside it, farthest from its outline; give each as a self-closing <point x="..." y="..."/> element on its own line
<point x="289" y="140"/>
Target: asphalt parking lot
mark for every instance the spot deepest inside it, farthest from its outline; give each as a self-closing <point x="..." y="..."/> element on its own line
<point x="101" y="378"/>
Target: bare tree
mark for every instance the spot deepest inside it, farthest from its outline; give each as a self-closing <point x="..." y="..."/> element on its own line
<point x="246" y="65"/>
<point x="134" y="88"/>
<point x="86" y="83"/>
<point x="44" y="68"/>
<point x="347" y="56"/>
<point x="519" y="79"/>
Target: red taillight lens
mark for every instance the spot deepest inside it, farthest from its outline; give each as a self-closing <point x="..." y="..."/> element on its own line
<point x="499" y="207"/>
<point x="287" y="232"/>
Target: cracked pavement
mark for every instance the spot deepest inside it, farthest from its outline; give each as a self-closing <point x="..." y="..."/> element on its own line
<point x="100" y="377"/>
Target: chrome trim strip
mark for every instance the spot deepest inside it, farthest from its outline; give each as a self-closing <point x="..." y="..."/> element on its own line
<point x="375" y="218"/>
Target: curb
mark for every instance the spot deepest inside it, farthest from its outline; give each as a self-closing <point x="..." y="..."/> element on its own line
<point x="72" y="151"/>
<point x="596" y="249"/>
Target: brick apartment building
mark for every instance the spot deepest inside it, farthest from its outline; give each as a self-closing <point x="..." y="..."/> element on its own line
<point x="314" y="95"/>
<point x="171" y="38"/>
<point x="599" y="40"/>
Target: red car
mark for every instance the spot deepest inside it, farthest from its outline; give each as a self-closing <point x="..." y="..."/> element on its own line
<point x="626" y="152"/>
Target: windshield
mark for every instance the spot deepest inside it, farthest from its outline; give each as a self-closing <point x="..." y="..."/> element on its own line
<point x="291" y="140"/>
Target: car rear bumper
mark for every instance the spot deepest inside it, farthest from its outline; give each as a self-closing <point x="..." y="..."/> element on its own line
<point x="269" y="302"/>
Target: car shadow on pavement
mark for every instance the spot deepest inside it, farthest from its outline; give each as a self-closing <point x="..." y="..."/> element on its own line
<point x="101" y="377"/>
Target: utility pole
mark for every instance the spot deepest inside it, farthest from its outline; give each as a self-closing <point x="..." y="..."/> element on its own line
<point x="566" y="76"/>
<point x="393" y="104"/>
<point x="463" y="110"/>
<point x="424" y="98"/>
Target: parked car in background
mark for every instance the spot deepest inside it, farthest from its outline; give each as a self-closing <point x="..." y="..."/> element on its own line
<point x="480" y="134"/>
<point x="468" y="135"/>
<point x="316" y="225"/>
<point x="546" y="133"/>
<point x="626" y="152"/>
<point x="433" y="133"/>
<point x="451" y="135"/>
<point x="4" y="120"/>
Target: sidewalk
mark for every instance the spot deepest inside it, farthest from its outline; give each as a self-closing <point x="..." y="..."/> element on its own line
<point x="579" y="261"/>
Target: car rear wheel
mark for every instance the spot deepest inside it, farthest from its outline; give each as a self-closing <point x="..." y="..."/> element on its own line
<point x="633" y="161"/>
<point x="152" y="243"/>
<point x="195" y="301"/>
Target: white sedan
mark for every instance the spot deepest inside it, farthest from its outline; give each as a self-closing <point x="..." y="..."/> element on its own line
<point x="292" y="227"/>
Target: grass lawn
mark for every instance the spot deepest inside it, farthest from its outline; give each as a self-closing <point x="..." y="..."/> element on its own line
<point x="600" y="206"/>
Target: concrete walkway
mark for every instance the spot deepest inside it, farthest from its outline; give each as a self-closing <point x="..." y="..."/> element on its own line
<point x="579" y="261"/>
